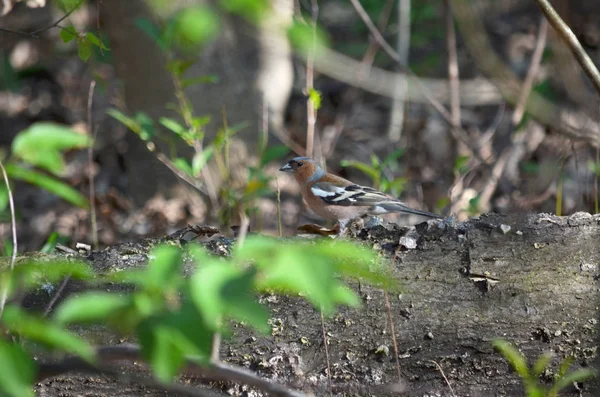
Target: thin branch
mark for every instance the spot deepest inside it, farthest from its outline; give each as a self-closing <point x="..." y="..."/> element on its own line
<point x="57" y="294"/>
<point x="325" y="344"/>
<point x="13" y="226"/>
<point x="34" y="34"/>
<point x="382" y="23"/>
<point x="571" y="40"/>
<point x="94" y="224"/>
<point x="130" y="352"/>
<point x="444" y="376"/>
<point x="536" y="60"/>
<point x="453" y="75"/>
<point x="437" y="105"/>
<point x="401" y="86"/>
<point x="311" y="111"/>
<point x="388" y="308"/>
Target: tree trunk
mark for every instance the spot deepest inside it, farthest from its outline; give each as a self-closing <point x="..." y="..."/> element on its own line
<point x="528" y="279"/>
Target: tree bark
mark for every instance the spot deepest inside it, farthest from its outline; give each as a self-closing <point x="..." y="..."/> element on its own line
<point x="529" y="279"/>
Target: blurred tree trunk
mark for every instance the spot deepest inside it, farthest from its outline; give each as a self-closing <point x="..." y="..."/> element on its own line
<point x="253" y="64"/>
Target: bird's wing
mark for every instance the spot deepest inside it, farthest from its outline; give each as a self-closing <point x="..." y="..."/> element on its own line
<point x="356" y="195"/>
<point x="347" y="195"/>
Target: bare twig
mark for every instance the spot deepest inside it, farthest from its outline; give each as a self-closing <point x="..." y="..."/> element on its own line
<point x="498" y="169"/>
<point x="388" y="308"/>
<point x="311" y="111"/>
<point x="13" y="228"/>
<point x="279" y="224"/>
<point x="571" y="40"/>
<point x="214" y="372"/>
<point x="369" y="56"/>
<point x="34" y="34"/>
<point x="329" y="383"/>
<point x="536" y="60"/>
<point x="453" y="75"/>
<point x="437" y="105"/>
<point x="94" y="224"/>
<point x="399" y="102"/>
<point x="444" y="376"/>
<point x="57" y="295"/>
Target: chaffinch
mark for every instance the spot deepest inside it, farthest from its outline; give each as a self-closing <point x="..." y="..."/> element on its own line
<point x="336" y="198"/>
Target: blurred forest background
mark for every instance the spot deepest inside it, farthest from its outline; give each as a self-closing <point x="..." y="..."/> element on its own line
<point x="193" y="106"/>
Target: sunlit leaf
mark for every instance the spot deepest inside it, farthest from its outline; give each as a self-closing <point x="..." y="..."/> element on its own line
<point x="48" y="183"/>
<point x="84" y="50"/>
<point x="195" y="26"/>
<point x="200" y="160"/>
<point x="68" y="34"/>
<point x="513" y="356"/>
<point x="90" y="307"/>
<point x="18" y="370"/>
<point x="41" y="144"/>
<point x="42" y="331"/>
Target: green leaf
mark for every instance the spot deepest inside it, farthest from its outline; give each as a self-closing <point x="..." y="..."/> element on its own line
<point x="152" y="31"/>
<point x="48" y="183"/>
<point x="393" y="157"/>
<point x="127" y="121"/>
<point x="201" y="159"/>
<point x="94" y="40"/>
<point x="172" y="125"/>
<point x="34" y="273"/>
<point x="305" y="40"/>
<point x="253" y="10"/>
<point x="315" y="98"/>
<point x="68" y="34"/>
<point x="514" y="357"/>
<point x="208" y="79"/>
<point x="579" y="375"/>
<point x="51" y="242"/>
<point x="3" y="196"/>
<point x="41" y="144"/>
<point x="273" y="153"/>
<point x="69" y="5"/>
<point x="371" y="172"/>
<point x="167" y="339"/>
<point x="461" y="164"/>
<point x="84" y="50"/>
<point x="184" y="165"/>
<point x="541" y="364"/>
<point x="164" y="267"/>
<point x="194" y="26"/>
<point x="18" y="371"/>
<point x="241" y="304"/>
<point x="90" y="307"/>
<point x="45" y="333"/>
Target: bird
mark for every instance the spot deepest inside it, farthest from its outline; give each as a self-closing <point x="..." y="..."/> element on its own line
<point x="335" y="198"/>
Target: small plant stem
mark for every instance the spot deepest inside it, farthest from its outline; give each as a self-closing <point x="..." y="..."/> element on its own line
<point x="13" y="225"/>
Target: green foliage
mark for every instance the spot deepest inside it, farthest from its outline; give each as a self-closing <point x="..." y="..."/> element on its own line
<point x="305" y="39"/>
<point x="378" y="172"/>
<point x="18" y="370"/>
<point x="175" y="318"/>
<point x="42" y="143"/>
<point x="194" y="26"/>
<point x="86" y="41"/>
<point x="530" y="376"/>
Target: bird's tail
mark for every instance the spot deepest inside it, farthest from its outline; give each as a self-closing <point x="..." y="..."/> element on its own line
<point x="396" y="206"/>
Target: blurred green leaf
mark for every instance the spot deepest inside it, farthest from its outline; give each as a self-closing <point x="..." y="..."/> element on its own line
<point x="90" y="307"/>
<point x="94" y="40"/>
<point x="304" y="40"/>
<point x="208" y="79"/>
<point x="68" y="34"/>
<point x="69" y="5"/>
<point x="84" y="50"/>
<point x="164" y="267"/>
<point x="3" y="196"/>
<point x="166" y="340"/>
<point x="152" y="31"/>
<point x="370" y="171"/>
<point x="200" y="160"/>
<point x="513" y="356"/>
<point x="41" y="145"/>
<point x="194" y="26"/>
<point x="34" y="273"/>
<point x="541" y="364"/>
<point x="461" y="164"/>
<point x="51" y="242"/>
<point x="18" y="371"/>
<point x="45" y="333"/>
<point x="184" y="165"/>
<point x="253" y="10"/>
<point x="275" y="152"/>
<point x="48" y="183"/>
<point x="172" y="125"/>
<point x="579" y="375"/>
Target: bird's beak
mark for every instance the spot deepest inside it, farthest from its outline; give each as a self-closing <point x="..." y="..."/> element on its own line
<point x="286" y="168"/>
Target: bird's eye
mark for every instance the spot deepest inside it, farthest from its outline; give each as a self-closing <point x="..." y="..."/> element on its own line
<point x="299" y="163"/>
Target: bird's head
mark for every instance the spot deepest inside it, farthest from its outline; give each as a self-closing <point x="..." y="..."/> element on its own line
<point x="304" y="169"/>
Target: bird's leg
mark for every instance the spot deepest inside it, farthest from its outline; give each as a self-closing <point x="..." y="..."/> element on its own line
<point x="343" y="228"/>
